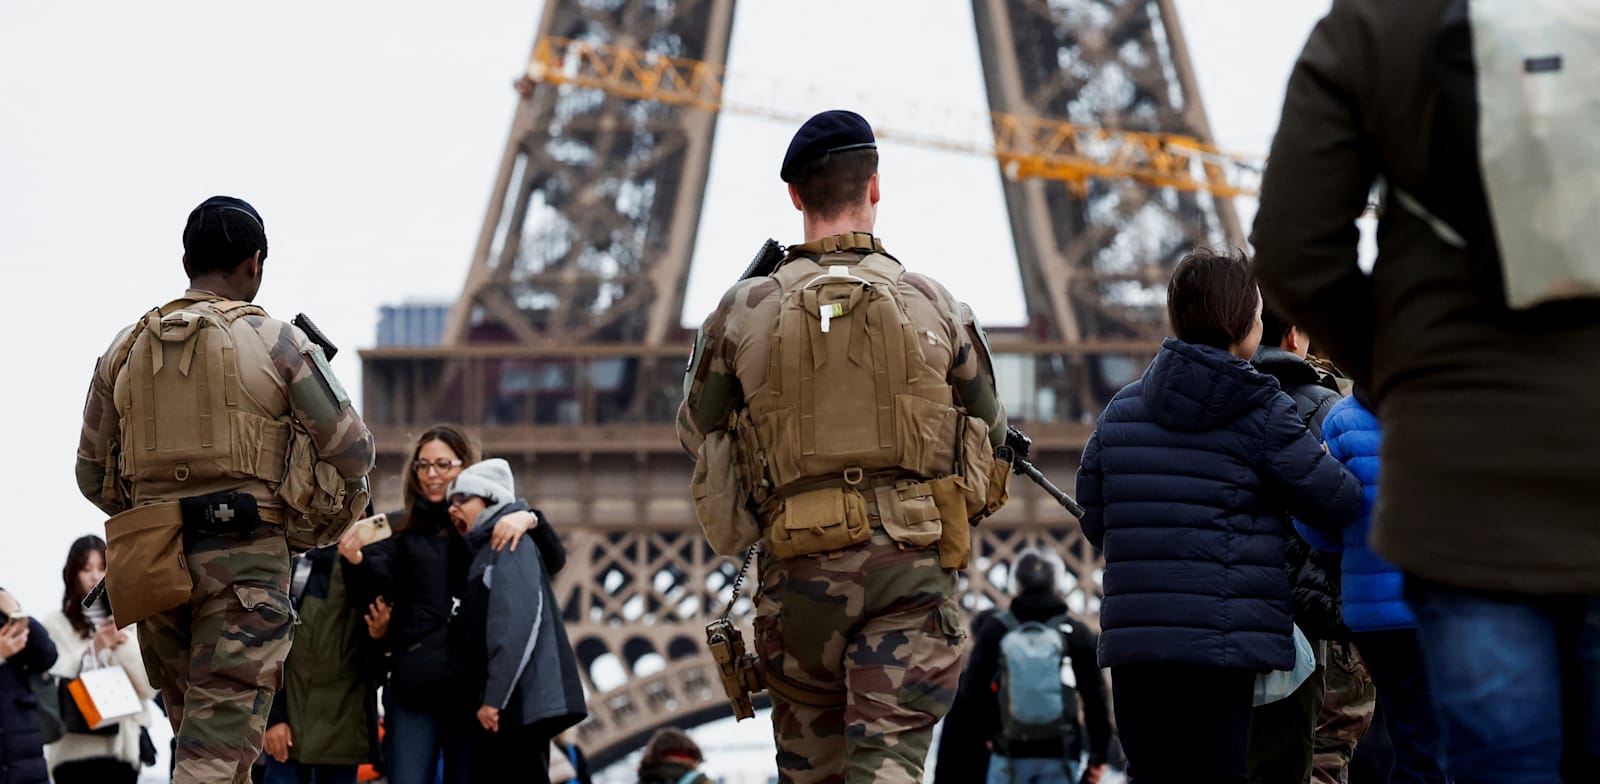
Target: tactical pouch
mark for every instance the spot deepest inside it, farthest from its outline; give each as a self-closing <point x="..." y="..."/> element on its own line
<point x="320" y="506"/>
<point x="146" y="571"/>
<point x="719" y="496"/>
<point x="977" y="466"/>
<point x="219" y="514"/>
<point x="819" y="521"/>
<point x="955" y="537"/>
<point x="909" y="514"/>
<point x="999" y="486"/>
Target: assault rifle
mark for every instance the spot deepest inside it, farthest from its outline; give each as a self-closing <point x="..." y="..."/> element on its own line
<point x="766" y="260"/>
<point x="316" y="336"/>
<point x="1016" y="450"/>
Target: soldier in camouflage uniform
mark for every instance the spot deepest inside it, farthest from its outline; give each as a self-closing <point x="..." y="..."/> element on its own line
<point x="218" y="658"/>
<point x="860" y="644"/>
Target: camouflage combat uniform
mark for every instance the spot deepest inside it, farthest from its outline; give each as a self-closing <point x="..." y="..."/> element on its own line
<point x="877" y="620"/>
<point x="1350" y="699"/>
<point x="219" y="659"/>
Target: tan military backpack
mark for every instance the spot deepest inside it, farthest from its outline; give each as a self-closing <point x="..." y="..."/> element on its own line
<point x="193" y="423"/>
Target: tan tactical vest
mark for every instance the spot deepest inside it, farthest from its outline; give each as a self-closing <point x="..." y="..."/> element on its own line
<point x="202" y="409"/>
<point x="848" y="391"/>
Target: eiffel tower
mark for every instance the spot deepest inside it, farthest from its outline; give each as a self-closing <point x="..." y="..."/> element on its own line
<point x="565" y="350"/>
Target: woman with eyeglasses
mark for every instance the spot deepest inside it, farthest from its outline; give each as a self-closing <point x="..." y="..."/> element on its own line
<point x="413" y="579"/>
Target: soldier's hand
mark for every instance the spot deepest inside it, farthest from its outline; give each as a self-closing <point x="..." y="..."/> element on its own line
<point x="510" y="529"/>
<point x="489" y="718"/>
<point x="278" y="741"/>
<point x="13" y="638"/>
<point x="377" y="618"/>
<point x="350" y="546"/>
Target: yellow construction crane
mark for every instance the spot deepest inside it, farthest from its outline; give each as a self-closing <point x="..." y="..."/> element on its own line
<point x="1025" y="146"/>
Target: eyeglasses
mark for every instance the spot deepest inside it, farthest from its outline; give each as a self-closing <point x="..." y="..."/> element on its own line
<point x="442" y="466"/>
<point x="461" y="499"/>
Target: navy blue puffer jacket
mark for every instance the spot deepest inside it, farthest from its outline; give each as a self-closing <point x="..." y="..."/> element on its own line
<point x="1185" y="484"/>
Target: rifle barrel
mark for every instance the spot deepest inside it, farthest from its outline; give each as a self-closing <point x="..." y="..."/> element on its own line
<point x="1068" y="502"/>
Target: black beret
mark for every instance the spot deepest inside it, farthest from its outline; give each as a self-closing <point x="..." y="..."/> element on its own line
<point x="829" y="132"/>
<point x="227" y="225"/>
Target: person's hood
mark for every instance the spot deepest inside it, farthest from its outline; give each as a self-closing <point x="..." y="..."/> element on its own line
<point x="1286" y="366"/>
<point x="1191" y="388"/>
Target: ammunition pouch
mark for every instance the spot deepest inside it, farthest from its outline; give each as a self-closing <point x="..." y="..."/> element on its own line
<point x="909" y="513"/>
<point x="999" y="486"/>
<point x="955" y="537"/>
<point x="719" y="496"/>
<point x="818" y="521"/>
<point x="146" y="570"/>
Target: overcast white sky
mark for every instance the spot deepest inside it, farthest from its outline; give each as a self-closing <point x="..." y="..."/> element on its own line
<point x="368" y="134"/>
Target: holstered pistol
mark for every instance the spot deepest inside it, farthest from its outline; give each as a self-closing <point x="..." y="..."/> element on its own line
<point x="741" y="675"/>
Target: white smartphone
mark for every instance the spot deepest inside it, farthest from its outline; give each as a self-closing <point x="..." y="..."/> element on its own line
<point x="372" y="529"/>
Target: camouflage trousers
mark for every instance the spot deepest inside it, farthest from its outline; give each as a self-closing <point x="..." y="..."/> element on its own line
<point x="1349" y="700"/>
<point x="878" y="622"/>
<point x="219" y="659"/>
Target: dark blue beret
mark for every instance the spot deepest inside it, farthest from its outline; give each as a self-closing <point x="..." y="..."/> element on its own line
<point x="829" y="132"/>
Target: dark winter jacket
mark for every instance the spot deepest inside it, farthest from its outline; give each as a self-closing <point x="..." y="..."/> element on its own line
<point x="1184" y="485"/>
<point x="329" y="694"/>
<point x="1313" y="573"/>
<point x="21" y="743"/>
<point x="516" y="656"/>
<point x="1491" y="421"/>
<point x="419" y="572"/>
<point x="978" y="695"/>
<point x="1373" y="599"/>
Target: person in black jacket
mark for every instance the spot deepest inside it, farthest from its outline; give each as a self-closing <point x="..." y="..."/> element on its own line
<point x="515" y="657"/>
<point x="1313" y="732"/>
<point x="25" y="650"/>
<point x="1184" y="484"/>
<point x="412" y="581"/>
<point x="1050" y="759"/>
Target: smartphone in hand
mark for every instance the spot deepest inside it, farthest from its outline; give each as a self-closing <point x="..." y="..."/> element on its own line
<point x="372" y="529"/>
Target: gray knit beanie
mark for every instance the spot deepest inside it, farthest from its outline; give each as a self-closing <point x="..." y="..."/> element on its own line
<point x="490" y="480"/>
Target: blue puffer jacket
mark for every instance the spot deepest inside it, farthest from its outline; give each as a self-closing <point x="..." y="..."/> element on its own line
<point x="1184" y="485"/>
<point x="1373" y="599"/>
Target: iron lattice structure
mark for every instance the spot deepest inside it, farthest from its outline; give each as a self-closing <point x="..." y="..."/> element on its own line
<point x="565" y="350"/>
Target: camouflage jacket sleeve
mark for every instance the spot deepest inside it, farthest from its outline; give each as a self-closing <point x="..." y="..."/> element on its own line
<point x="316" y="398"/>
<point x="972" y="376"/>
<point x="100" y="426"/>
<point x="711" y="388"/>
